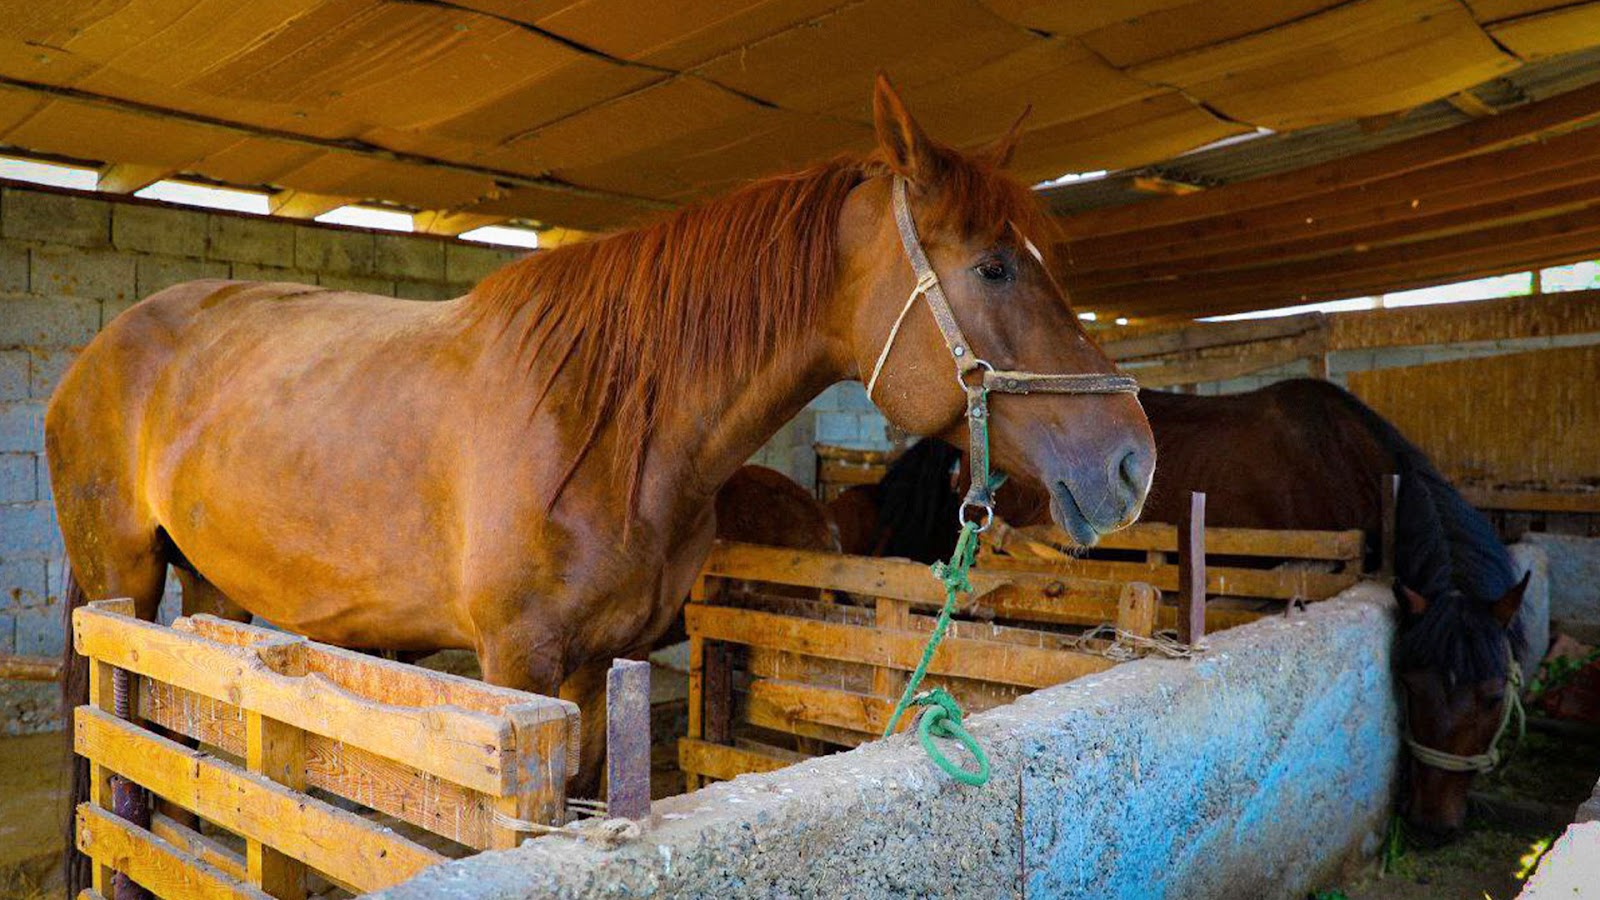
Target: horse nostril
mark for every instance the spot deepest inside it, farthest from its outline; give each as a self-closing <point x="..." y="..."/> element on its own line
<point x="1134" y="470"/>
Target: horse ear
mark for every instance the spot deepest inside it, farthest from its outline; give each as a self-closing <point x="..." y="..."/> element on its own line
<point x="999" y="153"/>
<point x="1414" y="603"/>
<point x="905" y="147"/>
<point x="1505" y="609"/>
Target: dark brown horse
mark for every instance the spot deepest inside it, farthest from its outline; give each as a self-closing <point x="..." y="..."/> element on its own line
<point x="528" y="471"/>
<point x="759" y="505"/>
<point x="1299" y="454"/>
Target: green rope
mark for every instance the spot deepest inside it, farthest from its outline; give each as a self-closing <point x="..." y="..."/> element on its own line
<point x="943" y="717"/>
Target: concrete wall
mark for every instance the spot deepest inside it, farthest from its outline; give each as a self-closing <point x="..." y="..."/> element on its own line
<point x="1574" y="582"/>
<point x="69" y="263"/>
<point x="1255" y="771"/>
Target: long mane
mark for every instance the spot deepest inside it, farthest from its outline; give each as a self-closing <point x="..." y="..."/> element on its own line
<point x="706" y="292"/>
<point x="1449" y="553"/>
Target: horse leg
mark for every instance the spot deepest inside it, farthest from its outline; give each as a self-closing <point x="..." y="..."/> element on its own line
<point x="201" y="597"/>
<point x="130" y="568"/>
<point x="587" y="687"/>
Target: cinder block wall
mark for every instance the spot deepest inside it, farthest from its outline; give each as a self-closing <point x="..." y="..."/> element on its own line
<point x="69" y="263"/>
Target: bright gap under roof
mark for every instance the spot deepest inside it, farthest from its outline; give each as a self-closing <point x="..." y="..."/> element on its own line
<point x="503" y="235"/>
<point x="52" y="174"/>
<point x="369" y="217"/>
<point x="188" y="193"/>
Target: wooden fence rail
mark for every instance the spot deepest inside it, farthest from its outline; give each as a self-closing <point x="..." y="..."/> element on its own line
<point x="449" y="755"/>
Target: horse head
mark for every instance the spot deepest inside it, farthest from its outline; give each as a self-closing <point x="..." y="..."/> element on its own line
<point x="1459" y="680"/>
<point x="994" y="317"/>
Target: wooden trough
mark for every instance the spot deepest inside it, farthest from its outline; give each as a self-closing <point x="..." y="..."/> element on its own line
<point x="295" y="722"/>
<point x="781" y="669"/>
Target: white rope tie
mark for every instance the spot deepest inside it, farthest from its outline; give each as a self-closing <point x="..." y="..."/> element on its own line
<point x="605" y="832"/>
<point x="927" y="281"/>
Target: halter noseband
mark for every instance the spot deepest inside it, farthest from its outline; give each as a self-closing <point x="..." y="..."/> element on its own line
<point x="981" y="492"/>
<point x="1489" y="758"/>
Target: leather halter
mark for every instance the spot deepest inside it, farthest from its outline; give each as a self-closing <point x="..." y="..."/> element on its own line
<point x="980" y="494"/>
<point x="1490" y="757"/>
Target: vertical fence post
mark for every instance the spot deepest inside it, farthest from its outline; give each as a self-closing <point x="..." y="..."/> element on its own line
<point x="1192" y="570"/>
<point x="628" y="740"/>
<point x="278" y="751"/>
<point x="1136" y="609"/>
<point x="1389" y="491"/>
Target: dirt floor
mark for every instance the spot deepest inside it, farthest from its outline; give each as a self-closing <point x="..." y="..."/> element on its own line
<point x="32" y="804"/>
<point x="1518" y="813"/>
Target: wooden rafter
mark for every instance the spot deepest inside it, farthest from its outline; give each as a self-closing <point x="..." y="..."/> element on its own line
<point x="1513" y="172"/>
<point x="126" y="178"/>
<point x="1564" y="111"/>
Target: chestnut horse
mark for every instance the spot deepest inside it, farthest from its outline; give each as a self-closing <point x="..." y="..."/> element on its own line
<point x="528" y="471"/>
<point x="1303" y="454"/>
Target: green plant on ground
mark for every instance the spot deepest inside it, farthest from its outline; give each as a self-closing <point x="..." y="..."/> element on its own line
<point x="1555" y="674"/>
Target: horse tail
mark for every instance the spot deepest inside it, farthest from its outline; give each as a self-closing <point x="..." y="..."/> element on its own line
<point x="74" y="693"/>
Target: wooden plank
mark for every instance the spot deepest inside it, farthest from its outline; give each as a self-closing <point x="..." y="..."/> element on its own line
<point x="166" y="870"/>
<point x="1484" y="135"/>
<point x="1211" y="335"/>
<point x="377" y="678"/>
<point x="850" y="474"/>
<point x="716" y="719"/>
<point x="1274" y="584"/>
<point x="545" y="752"/>
<point x="305" y="204"/>
<point x="1488" y="178"/>
<point x="1524" y="500"/>
<point x="1071" y="599"/>
<point x="328" y="839"/>
<point x="452" y="223"/>
<point x="798" y="702"/>
<point x="128" y="178"/>
<point x="450" y="810"/>
<point x="468" y="748"/>
<point x="101" y="701"/>
<point x="29" y="668"/>
<point x="725" y="763"/>
<point x="1479" y="212"/>
<point x="986" y="660"/>
<point x="1192" y="570"/>
<point x="894" y="615"/>
<point x="1199" y="371"/>
<point x="1136" y="611"/>
<point x="1331" y="545"/>
<point x="211" y="852"/>
<point x="277" y="751"/>
<point x="1217" y="618"/>
<point x="1482" y="251"/>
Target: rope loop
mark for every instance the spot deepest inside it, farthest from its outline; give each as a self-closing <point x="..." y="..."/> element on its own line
<point x="941" y="718"/>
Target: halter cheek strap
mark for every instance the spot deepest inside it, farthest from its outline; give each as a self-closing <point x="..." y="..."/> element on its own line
<point x="980" y="494"/>
<point x="1490" y="757"/>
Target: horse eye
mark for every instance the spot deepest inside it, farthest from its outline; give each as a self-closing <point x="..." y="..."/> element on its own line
<point x="993" y="270"/>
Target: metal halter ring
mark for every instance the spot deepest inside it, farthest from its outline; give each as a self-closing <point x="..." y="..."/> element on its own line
<point x="988" y="515"/>
<point x="961" y="373"/>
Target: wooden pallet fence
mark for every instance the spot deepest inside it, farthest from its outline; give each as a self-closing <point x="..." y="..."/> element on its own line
<point x="842" y="468"/>
<point x="775" y="678"/>
<point x="448" y="755"/>
<point x="1293" y="565"/>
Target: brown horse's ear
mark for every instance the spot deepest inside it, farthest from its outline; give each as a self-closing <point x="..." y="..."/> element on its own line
<point x="1415" y="604"/>
<point x="999" y="153"/>
<point x="906" y="149"/>
<point x="1505" y="609"/>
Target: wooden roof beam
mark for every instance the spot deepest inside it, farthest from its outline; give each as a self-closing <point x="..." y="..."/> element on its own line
<point x="453" y="223"/>
<point x="1563" y="111"/>
<point x="1550" y="202"/>
<point x="1475" y="255"/>
<point x="1566" y="159"/>
<point x="304" y="205"/>
<point x="127" y="178"/>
